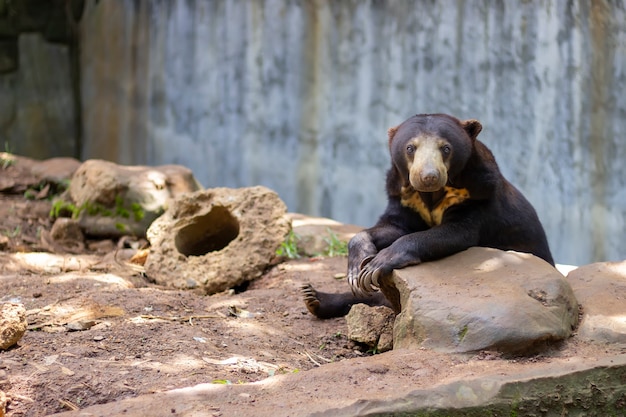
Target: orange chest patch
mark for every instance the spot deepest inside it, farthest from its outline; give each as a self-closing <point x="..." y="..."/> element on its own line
<point x="411" y="199"/>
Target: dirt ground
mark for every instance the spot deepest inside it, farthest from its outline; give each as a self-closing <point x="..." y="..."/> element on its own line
<point x="99" y="331"/>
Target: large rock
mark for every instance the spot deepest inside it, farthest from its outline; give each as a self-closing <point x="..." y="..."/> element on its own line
<point x="374" y="386"/>
<point x="217" y="239"/>
<point x="115" y="200"/>
<point x="12" y="324"/>
<point x="20" y="173"/>
<point x="601" y="291"/>
<point x="314" y="234"/>
<point x="482" y="299"/>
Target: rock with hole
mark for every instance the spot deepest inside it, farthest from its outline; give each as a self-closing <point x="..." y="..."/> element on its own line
<point x="217" y="239"/>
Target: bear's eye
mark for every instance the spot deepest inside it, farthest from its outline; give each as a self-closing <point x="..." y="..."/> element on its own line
<point x="410" y="149"/>
<point x="446" y="149"/>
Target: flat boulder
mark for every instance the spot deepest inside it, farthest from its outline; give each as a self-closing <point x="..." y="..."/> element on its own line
<point x="482" y="299"/>
<point x="217" y="239"/>
<point x="21" y="174"/>
<point x="601" y="291"/>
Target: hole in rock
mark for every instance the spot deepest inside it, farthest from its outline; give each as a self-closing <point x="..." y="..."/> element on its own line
<point x="243" y="287"/>
<point x="208" y="233"/>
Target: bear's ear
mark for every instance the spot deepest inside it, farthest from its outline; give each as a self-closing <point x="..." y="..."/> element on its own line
<point x="391" y="132"/>
<point x="472" y="127"/>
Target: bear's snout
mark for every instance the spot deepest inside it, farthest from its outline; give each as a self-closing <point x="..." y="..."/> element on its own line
<point x="430" y="178"/>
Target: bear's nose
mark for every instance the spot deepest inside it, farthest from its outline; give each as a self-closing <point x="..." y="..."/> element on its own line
<point x="429" y="178"/>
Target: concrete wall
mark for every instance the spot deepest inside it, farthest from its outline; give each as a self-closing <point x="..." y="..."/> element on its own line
<point x="38" y="86"/>
<point x="298" y="95"/>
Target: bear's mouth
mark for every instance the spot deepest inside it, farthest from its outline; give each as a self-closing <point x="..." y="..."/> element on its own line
<point x="431" y="189"/>
<point x="428" y="181"/>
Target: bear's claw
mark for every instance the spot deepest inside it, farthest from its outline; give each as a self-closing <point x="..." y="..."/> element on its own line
<point x="309" y="296"/>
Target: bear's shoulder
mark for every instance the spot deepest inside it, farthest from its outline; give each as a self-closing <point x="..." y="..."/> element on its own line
<point x="481" y="175"/>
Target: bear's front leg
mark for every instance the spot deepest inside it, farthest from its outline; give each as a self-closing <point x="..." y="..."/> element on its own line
<point x="400" y="254"/>
<point x="365" y="246"/>
<point x="361" y="249"/>
<point x="415" y="248"/>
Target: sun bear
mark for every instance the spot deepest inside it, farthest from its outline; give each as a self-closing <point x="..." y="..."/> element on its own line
<point x="445" y="194"/>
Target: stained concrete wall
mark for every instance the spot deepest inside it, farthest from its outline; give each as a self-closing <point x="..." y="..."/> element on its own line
<point x="298" y="95"/>
<point x="38" y="84"/>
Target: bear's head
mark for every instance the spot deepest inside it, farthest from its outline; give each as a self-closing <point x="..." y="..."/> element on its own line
<point x="428" y="150"/>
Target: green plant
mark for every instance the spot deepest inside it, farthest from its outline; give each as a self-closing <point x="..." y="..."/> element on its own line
<point x="289" y="248"/>
<point x="221" y="381"/>
<point x="47" y="190"/>
<point x="32" y="192"/>
<point x="13" y="233"/>
<point x="138" y="213"/>
<point x="227" y="382"/>
<point x="373" y="351"/>
<point x="7" y="159"/>
<point x="62" y="208"/>
<point x="463" y="332"/>
<point x="120" y="210"/>
<point x="336" y="246"/>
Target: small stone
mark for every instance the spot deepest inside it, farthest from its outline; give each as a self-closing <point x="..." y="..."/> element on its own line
<point x="54" y="329"/>
<point x="98" y="338"/>
<point x="13" y="324"/>
<point x="371" y="326"/>
<point x="65" y="229"/>
<point x="4" y="242"/>
<point x="3" y="404"/>
<point x="81" y="325"/>
<point x="101" y="326"/>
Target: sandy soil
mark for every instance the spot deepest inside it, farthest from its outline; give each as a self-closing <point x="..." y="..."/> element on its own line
<point x="100" y="331"/>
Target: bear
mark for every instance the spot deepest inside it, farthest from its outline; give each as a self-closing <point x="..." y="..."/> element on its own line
<point x="445" y="194"/>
